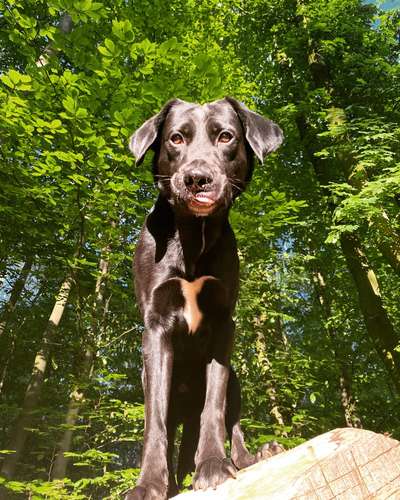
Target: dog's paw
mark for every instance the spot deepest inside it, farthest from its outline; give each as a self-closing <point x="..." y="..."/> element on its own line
<point x="268" y="450"/>
<point x="244" y="460"/>
<point x="147" y="491"/>
<point x="212" y="472"/>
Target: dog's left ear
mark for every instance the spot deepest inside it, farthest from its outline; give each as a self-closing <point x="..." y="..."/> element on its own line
<point x="263" y="135"/>
<point x="145" y="136"/>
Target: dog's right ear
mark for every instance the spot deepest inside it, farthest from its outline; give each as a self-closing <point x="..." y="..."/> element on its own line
<point x="145" y="136"/>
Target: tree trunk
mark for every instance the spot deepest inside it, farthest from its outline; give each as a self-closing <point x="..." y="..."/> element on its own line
<point x="10" y="353"/>
<point x="346" y="397"/>
<point x="341" y="464"/>
<point x="265" y="366"/>
<point x="16" y="291"/>
<point x="59" y="468"/>
<point x="33" y="391"/>
<point x="347" y="400"/>
<point x="379" y="327"/>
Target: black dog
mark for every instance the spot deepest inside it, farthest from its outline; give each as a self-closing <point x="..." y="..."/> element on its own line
<point x="186" y="277"/>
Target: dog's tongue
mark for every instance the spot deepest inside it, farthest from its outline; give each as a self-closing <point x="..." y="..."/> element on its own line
<point x="204" y="198"/>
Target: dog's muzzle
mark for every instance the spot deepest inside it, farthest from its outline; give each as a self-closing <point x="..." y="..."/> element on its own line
<point x="200" y="189"/>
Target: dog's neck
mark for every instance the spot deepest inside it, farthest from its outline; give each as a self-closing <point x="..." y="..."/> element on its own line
<point x="196" y="235"/>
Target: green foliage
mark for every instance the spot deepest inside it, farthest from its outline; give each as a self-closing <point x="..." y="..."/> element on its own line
<point x="72" y="202"/>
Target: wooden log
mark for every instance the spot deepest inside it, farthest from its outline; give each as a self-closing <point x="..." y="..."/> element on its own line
<point x="344" y="464"/>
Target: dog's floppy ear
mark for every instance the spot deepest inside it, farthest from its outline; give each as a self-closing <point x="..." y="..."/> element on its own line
<point x="145" y="136"/>
<point x="263" y="135"/>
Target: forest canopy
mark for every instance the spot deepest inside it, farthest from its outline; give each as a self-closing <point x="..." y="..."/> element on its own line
<point x="318" y="319"/>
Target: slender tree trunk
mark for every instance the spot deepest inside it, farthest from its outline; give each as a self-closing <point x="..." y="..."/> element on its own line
<point x="59" y="468"/>
<point x="266" y="370"/>
<point x="346" y="397"/>
<point x="379" y="327"/>
<point x="6" y="364"/>
<point x="15" y="294"/>
<point x="347" y="400"/>
<point x="33" y="391"/>
<point x="279" y="332"/>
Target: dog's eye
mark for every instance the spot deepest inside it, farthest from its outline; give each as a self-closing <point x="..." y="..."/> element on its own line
<point x="176" y="138"/>
<point x="225" y="137"/>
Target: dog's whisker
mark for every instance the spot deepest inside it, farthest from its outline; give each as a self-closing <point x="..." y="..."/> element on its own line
<point x="234" y="180"/>
<point x="238" y="187"/>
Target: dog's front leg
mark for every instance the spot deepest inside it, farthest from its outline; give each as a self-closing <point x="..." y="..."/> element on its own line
<point x="157" y="359"/>
<point x="212" y="466"/>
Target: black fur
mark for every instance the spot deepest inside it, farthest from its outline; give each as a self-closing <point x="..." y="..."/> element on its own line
<point x="203" y="161"/>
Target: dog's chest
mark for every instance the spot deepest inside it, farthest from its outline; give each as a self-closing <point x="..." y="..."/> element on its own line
<point x="202" y="306"/>
<point x="192" y="313"/>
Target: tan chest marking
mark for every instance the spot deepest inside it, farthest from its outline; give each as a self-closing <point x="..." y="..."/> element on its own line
<point x="191" y="311"/>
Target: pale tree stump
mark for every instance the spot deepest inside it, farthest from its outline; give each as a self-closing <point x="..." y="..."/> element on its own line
<point x="345" y="464"/>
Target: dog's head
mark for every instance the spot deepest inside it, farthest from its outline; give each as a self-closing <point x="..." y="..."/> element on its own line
<point x="204" y="154"/>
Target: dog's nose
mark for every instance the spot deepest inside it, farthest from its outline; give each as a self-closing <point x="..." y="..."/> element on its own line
<point x="197" y="180"/>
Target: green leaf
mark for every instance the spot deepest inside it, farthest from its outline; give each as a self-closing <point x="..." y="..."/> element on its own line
<point x="7" y="81"/>
<point x="70" y="104"/>
<point x="81" y="113"/>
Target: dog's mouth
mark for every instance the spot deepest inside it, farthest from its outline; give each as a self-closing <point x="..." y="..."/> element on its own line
<point x="202" y="203"/>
